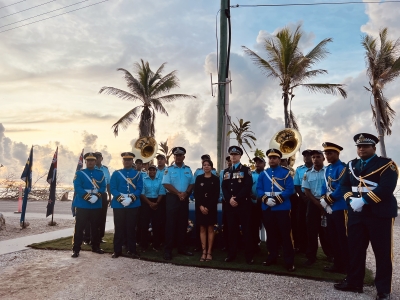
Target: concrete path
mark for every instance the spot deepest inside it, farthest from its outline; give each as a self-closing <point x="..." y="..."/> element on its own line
<point x="19" y="244"/>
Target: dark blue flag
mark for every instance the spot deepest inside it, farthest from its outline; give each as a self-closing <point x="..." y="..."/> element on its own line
<point x="52" y="180"/>
<point x="78" y="167"/>
<point x="27" y="177"/>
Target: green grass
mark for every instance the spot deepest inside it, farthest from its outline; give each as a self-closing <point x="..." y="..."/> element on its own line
<point x="314" y="272"/>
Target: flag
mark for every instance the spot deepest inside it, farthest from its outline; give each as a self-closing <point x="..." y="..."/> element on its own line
<point x="52" y="180"/>
<point x="27" y="177"/>
<point x="80" y="162"/>
<point x="78" y="167"/>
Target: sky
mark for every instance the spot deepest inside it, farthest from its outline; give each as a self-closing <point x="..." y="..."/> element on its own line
<point x="51" y="73"/>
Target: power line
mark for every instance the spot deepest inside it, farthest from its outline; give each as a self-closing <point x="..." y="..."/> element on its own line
<point x="12" y="4"/>
<point x="26" y="9"/>
<point x="54" y="16"/>
<point x="44" y="13"/>
<point x="312" y="4"/>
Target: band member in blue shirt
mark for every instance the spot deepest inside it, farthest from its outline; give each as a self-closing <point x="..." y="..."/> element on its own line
<point x="256" y="212"/>
<point x="151" y="197"/>
<point x="89" y="183"/>
<point x="126" y="186"/>
<point x="274" y="188"/>
<point x="333" y="201"/>
<point x="178" y="180"/>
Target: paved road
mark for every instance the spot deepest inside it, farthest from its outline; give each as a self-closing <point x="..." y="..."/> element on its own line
<point x="61" y="207"/>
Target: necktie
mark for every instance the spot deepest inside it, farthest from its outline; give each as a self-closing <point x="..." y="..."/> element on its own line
<point x="363" y="163"/>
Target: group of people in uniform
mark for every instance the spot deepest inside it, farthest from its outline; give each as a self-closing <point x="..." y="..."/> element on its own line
<point x="344" y="206"/>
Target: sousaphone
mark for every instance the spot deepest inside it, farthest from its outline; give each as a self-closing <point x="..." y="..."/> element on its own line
<point x="145" y="148"/>
<point x="288" y="141"/>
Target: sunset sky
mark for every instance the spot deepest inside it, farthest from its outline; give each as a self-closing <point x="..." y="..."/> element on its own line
<point x="51" y="72"/>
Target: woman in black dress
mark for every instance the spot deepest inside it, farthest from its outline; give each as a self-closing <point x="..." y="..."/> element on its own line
<point x="206" y="194"/>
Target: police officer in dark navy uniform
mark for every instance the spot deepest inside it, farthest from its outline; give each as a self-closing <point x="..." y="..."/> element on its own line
<point x="178" y="180"/>
<point x="89" y="184"/>
<point x="368" y="185"/>
<point x="236" y="188"/>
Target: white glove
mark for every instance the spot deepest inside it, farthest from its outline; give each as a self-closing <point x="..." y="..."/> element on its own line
<point x="323" y="203"/>
<point x="328" y="209"/>
<point x="271" y="202"/>
<point x="93" y="199"/>
<point x="356" y="203"/>
<point x="126" y="201"/>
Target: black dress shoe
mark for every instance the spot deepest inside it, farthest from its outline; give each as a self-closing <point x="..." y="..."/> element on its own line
<point x="333" y="269"/>
<point x="103" y="241"/>
<point x="187" y="253"/>
<point x="224" y="249"/>
<point x="382" y="296"/>
<point x="269" y="262"/>
<point x="167" y="256"/>
<point x="291" y="269"/>
<point x="309" y="262"/>
<point x="345" y="287"/>
<point x="249" y="261"/>
<point x="133" y="254"/>
<point x="75" y="254"/>
<point x="87" y="242"/>
<point x="98" y="251"/>
<point x="330" y="259"/>
<point x="230" y="258"/>
<point x="115" y="255"/>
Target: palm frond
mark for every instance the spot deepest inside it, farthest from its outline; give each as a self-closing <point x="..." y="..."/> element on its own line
<point x="326" y="88"/>
<point x="261" y="63"/>
<point x="118" y="93"/>
<point x="133" y="84"/>
<point x="126" y="119"/>
<point x="157" y="105"/>
<point x="173" y="97"/>
<point x="319" y="52"/>
<point x="165" y="84"/>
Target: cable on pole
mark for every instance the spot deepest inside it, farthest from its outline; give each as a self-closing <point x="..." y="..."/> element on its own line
<point x="54" y="16"/>
<point x="26" y="9"/>
<point x="12" y="4"/>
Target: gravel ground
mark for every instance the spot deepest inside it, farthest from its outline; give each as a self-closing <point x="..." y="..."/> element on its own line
<point x="39" y="274"/>
<point x="13" y="229"/>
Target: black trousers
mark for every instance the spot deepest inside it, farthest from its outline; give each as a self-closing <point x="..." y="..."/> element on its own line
<point x="301" y="225"/>
<point x="82" y="217"/>
<point x="277" y="223"/>
<point x="314" y="229"/>
<point x="156" y="217"/>
<point x="225" y="230"/>
<point x="125" y="220"/>
<point x="378" y="231"/>
<point x="337" y="234"/>
<point x="104" y="208"/>
<point x="177" y="215"/>
<point x="255" y="224"/>
<point x="240" y="215"/>
<point x="87" y="236"/>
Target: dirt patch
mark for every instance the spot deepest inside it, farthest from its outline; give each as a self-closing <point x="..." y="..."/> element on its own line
<point x="13" y="229"/>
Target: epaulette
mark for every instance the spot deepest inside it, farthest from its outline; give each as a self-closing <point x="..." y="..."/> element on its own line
<point x="105" y="166"/>
<point x="300" y="166"/>
<point x="186" y="166"/>
<point x="385" y="158"/>
<point x="344" y="164"/>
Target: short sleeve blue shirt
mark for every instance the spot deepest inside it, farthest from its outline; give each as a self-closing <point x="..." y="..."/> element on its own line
<point x="179" y="177"/>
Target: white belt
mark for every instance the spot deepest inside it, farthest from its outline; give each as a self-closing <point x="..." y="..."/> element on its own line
<point x="272" y="193"/>
<point x="356" y="189"/>
<point x="94" y="191"/>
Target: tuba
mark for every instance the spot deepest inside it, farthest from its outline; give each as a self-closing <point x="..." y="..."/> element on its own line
<point x="145" y="148"/>
<point x="288" y="141"/>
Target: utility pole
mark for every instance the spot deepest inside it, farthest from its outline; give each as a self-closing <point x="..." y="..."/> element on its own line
<point x="222" y="77"/>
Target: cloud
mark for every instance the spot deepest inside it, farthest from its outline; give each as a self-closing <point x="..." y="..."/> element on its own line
<point x="380" y="16"/>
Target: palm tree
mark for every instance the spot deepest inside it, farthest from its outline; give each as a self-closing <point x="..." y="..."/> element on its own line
<point x="243" y="134"/>
<point x="292" y="68"/>
<point x="164" y="150"/>
<point x="151" y="89"/>
<point x="383" y="66"/>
